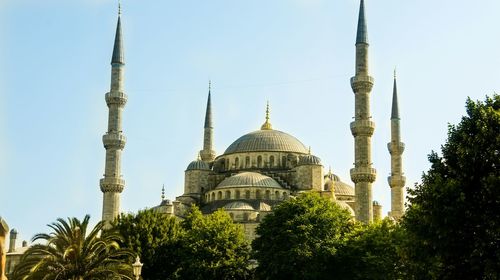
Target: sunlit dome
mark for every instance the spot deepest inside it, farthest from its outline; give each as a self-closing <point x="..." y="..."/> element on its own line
<point x="249" y="179"/>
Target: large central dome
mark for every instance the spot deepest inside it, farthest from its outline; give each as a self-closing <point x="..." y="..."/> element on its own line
<point x="266" y="140"/>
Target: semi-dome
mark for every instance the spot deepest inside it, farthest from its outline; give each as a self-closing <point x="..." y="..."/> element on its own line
<point x="198" y="165"/>
<point x="266" y="140"/>
<point x="238" y="205"/>
<point x="309" y="160"/>
<point x="342" y="188"/>
<point x="345" y="206"/>
<point x="249" y="179"/>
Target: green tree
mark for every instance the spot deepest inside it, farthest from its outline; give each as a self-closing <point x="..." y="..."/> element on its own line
<point x="70" y="253"/>
<point x="453" y="223"/>
<point x="300" y="237"/>
<point x="156" y="238"/>
<point x="214" y="247"/>
<point x="370" y="252"/>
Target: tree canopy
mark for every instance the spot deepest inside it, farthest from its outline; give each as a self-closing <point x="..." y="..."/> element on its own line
<point x="300" y="237"/>
<point x="453" y="221"/>
<point x="198" y="247"/>
<point x="70" y="252"/>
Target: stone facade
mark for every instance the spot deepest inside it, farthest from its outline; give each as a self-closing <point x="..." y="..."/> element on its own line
<point x="4" y="229"/>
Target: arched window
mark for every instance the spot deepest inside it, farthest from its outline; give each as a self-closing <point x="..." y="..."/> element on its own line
<point x="268" y="194"/>
<point x="227" y="164"/>
<point x="237" y="163"/>
<point x="283" y="161"/>
<point x="257" y="194"/>
<point x="213" y="196"/>
<point x="245" y="217"/>
<point x="247" y="194"/>
<point x="227" y="195"/>
<point x="277" y="195"/>
<point x="247" y="162"/>
<point x="271" y="161"/>
<point x="259" y="161"/>
<point x="219" y="195"/>
<point x="238" y="194"/>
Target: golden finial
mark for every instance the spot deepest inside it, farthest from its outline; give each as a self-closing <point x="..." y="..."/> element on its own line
<point x="119" y="8"/>
<point x="163" y="192"/>
<point x="267" y="125"/>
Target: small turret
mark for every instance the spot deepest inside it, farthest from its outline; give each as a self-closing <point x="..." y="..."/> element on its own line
<point x="12" y="240"/>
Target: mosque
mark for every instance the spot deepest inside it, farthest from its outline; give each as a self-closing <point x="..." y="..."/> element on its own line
<point x="264" y="167"/>
<point x="261" y="168"/>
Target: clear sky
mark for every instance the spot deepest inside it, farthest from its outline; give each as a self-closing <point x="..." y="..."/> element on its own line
<point x="298" y="54"/>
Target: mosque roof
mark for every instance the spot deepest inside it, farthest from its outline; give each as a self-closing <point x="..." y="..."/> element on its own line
<point x="198" y="165"/>
<point x="266" y="140"/>
<point x="249" y="179"/>
<point x="238" y="205"/>
<point x="309" y="160"/>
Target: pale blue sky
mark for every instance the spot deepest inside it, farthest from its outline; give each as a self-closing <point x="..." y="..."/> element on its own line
<point x="298" y="54"/>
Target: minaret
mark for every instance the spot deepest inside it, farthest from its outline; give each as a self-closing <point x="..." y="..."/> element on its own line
<point x="363" y="175"/>
<point x="396" y="148"/>
<point x="208" y="153"/>
<point x="114" y="141"/>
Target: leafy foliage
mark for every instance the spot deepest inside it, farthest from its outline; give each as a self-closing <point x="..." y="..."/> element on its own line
<point x="370" y="252"/>
<point x="155" y="237"/>
<point x="453" y="218"/>
<point x="298" y="240"/>
<point x="70" y="253"/>
<point x="214" y="247"/>
<point x="199" y="247"/>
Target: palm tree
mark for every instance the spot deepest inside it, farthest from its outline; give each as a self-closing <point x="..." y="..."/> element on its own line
<point x="70" y="254"/>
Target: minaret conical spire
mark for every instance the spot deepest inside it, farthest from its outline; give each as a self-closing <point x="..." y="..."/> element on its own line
<point x="395" y="106"/>
<point x="114" y="140"/>
<point x="363" y="174"/>
<point x="118" y="54"/>
<point x="362" y="32"/>
<point x="208" y="152"/>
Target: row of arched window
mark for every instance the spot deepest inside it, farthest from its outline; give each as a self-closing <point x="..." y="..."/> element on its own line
<point x="247" y="194"/>
<point x="251" y="162"/>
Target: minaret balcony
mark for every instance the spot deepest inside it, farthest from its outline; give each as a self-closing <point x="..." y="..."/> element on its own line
<point x="396" y="148"/>
<point x="114" y="140"/>
<point x="363" y="174"/>
<point x="362" y="128"/>
<point x="396" y="181"/>
<point x="112" y="184"/>
<point x="362" y="83"/>
<point x="116" y="97"/>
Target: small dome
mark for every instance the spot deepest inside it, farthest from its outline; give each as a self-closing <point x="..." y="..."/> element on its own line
<point x="309" y="160"/>
<point x="249" y="179"/>
<point x="198" y="165"/>
<point x="345" y="206"/>
<point x="166" y="202"/>
<point x="342" y="188"/>
<point x="13" y="231"/>
<point x="376" y="203"/>
<point x="266" y="141"/>
<point x="264" y="207"/>
<point x="238" y="205"/>
<point x="332" y="177"/>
